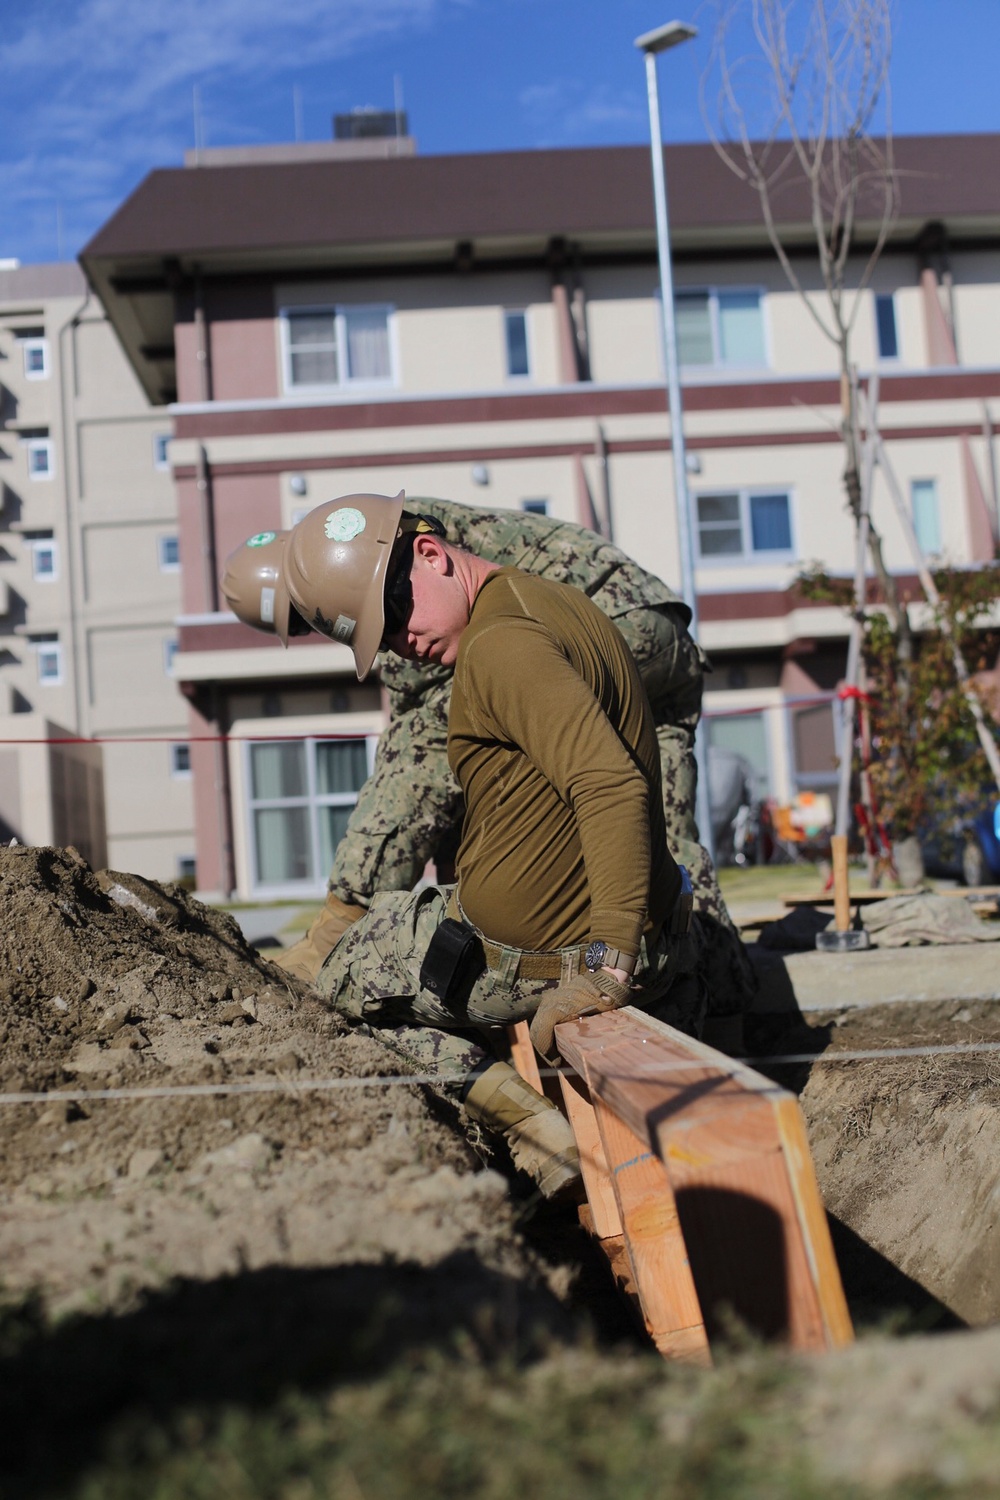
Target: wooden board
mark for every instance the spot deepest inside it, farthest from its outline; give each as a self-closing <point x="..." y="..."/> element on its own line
<point x="706" y="1153"/>
<point x="864" y="898"/>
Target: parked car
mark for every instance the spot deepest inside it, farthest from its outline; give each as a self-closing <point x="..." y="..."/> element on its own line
<point x="970" y="848"/>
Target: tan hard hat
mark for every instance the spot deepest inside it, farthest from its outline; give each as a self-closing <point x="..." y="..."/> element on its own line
<point x="254" y="588"/>
<point x="334" y="568"/>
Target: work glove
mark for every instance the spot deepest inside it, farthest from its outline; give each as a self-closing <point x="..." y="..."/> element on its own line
<point x="584" y="995"/>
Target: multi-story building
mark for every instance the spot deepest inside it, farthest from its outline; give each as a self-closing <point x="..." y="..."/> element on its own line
<point x="89" y="587"/>
<point x="485" y="328"/>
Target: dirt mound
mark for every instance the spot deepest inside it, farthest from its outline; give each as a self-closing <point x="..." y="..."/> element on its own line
<point x="109" y="981"/>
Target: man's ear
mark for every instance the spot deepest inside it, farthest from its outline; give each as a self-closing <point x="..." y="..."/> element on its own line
<point x="431" y="550"/>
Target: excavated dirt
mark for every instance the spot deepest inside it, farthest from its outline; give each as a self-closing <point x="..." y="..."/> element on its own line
<point x="112" y="982"/>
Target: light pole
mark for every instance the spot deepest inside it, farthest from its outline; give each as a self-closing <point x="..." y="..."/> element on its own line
<point x="651" y="43"/>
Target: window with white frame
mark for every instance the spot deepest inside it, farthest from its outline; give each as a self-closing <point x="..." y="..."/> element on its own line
<point x="180" y="761"/>
<point x="41" y="457"/>
<point x="535" y="507"/>
<point x="515" y="322"/>
<point x="48" y="652"/>
<point x="301" y="793"/>
<point x="169" y="652"/>
<point x="168" y="550"/>
<point x="44" y="559"/>
<point x="337" y="346"/>
<point x="35" y="352"/>
<point x="744" y="524"/>
<point x="720" y="327"/>
<point x="161" y="451"/>
<point x="886" y="335"/>
<point x="926" y="513"/>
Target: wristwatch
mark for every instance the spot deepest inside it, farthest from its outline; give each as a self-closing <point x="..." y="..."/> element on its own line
<point x="600" y="956"/>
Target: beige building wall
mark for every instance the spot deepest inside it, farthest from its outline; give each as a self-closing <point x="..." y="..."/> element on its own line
<point x="90" y="585"/>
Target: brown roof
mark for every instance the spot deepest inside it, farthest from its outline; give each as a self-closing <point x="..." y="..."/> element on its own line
<point x="503" y="195"/>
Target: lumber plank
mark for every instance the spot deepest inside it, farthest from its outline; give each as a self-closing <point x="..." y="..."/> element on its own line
<point x="523" y="1056"/>
<point x="733" y="1151"/>
<point x="605" y="1220"/>
<point x="654" y="1242"/>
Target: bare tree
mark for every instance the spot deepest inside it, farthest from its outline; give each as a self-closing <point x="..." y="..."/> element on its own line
<point x="792" y="118"/>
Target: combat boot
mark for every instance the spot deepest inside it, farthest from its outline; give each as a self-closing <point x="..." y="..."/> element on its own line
<point x="540" y="1139"/>
<point x="305" y="958"/>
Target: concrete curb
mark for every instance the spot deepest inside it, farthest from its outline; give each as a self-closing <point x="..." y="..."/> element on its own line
<point x="882" y="976"/>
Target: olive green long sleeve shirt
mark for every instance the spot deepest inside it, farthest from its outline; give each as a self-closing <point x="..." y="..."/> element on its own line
<point x="551" y="737"/>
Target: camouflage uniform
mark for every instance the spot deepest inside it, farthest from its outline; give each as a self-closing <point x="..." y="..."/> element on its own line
<point x="372" y="976"/>
<point x="410" y="810"/>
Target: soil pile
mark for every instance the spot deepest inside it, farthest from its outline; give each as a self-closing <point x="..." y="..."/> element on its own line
<point x="111" y="981"/>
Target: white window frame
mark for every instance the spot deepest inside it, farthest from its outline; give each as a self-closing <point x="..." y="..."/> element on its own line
<point x="886" y="359"/>
<point x="35" y="346"/>
<point x="518" y="312"/>
<point x="535" y="505"/>
<point x="312" y="800"/>
<point x="38" y="445"/>
<point x="161" y="452"/>
<point x="338" y="311"/>
<point x="54" y="650"/>
<point x="932" y="480"/>
<point x="179" y="752"/>
<point x="39" y="547"/>
<point x="161" y="543"/>
<point x="713" y="293"/>
<point x="747" y="557"/>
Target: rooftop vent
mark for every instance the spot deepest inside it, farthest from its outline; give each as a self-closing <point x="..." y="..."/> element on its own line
<point x="365" y="123"/>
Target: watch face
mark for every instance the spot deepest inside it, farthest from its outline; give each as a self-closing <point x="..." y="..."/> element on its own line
<point x="594" y="956"/>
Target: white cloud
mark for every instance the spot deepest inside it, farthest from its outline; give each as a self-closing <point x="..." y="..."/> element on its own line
<point x="569" y="111"/>
<point x="93" y="93"/>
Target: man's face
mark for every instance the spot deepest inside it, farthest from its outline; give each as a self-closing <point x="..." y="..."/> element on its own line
<point x="438" y="611"/>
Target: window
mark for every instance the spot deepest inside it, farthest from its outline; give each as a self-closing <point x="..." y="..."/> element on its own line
<point x="301" y="796"/>
<point x="161" y="450"/>
<point x="516" y="335"/>
<point x="718" y="327"/>
<point x="41" y="457"/>
<point x="44" y="560"/>
<point x="169" y="652"/>
<point x="535" y="507"/>
<point x="36" y="358"/>
<point x="50" y="663"/>
<point x="885" y="326"/>
<point x="180" y="760"/>
<point x="187" y="867"/>
<point x="330" y="346"/>
<point x="169" y="551"/>
<point x="744" y="523"/>
<point x="926" y="515"/>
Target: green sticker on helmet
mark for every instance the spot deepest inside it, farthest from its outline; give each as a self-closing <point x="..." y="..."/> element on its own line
<point x="261" y="539"/>
<point x="345" y="524"/>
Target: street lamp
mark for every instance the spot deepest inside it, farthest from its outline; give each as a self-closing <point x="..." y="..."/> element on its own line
<point x="651" y="43"/>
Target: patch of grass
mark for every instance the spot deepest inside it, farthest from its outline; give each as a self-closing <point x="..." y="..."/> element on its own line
<point x="576" y="1427"/>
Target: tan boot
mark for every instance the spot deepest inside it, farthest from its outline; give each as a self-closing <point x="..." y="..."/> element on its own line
<point x="305" y="958"/>
<point x="540" y="1138"/>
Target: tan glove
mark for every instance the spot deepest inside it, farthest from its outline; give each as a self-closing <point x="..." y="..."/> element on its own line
<point x="584" y="995"/>
<point x="305" y="958"/>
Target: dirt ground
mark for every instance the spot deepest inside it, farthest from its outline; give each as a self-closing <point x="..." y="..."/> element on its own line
<point x="264" y="1235"/>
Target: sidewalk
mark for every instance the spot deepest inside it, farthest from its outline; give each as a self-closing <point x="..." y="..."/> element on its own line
<point x="879" y="976"/>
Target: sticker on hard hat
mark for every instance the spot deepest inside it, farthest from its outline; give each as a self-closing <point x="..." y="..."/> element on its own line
<point x="261" y="539"/>
<point x="267" y="606"/>
<point x="345" y="524"/>
<point x="344" y="629"/>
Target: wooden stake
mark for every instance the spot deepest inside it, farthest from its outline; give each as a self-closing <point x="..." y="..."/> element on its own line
<point x="841" y="883"/>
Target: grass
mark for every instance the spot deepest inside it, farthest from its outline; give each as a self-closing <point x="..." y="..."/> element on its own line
<point x="575" y="1427"/>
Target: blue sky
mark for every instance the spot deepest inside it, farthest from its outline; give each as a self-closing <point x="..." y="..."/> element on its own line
<point x="96" y="93"/>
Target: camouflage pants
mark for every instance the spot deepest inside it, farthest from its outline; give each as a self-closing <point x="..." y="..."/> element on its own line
<point x="410" y="810"/>
<point x="373" y="976"/>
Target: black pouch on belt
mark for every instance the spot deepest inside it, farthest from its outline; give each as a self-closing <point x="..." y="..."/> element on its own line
<point x="448" y="958"/>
